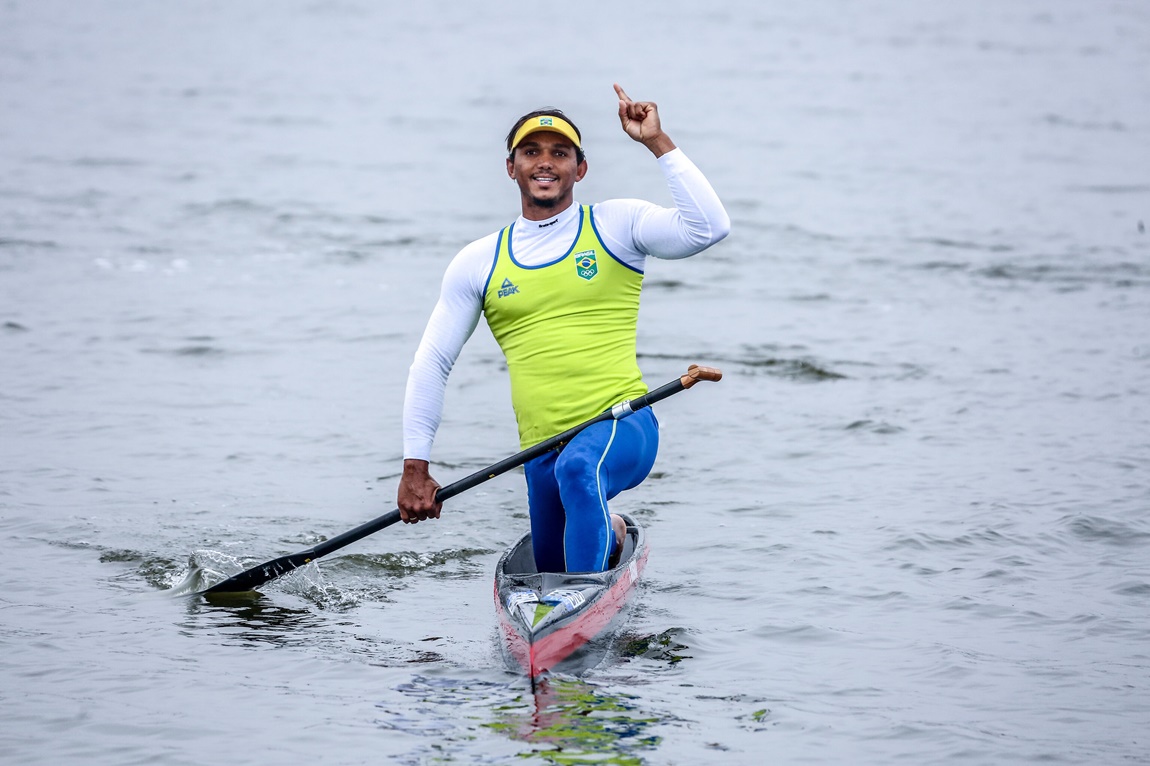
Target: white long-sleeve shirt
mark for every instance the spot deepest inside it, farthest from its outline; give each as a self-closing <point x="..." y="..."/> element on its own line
<point x="631" y="229"/>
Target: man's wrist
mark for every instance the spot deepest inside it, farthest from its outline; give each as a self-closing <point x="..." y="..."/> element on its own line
<point x="415" y="466"/>
<point x="660" y="145"/>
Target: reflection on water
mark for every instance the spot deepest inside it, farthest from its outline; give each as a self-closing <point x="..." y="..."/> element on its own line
<point x="253" y="618"/>
<point x="569" y="721"/>
<point x="564" y="721"/>
<point x="661" y="647"/>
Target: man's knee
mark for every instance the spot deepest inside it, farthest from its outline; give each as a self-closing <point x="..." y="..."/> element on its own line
<point x="575" y="465"/>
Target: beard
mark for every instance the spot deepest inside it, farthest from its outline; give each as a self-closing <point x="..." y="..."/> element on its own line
<point x="546" y="203"/>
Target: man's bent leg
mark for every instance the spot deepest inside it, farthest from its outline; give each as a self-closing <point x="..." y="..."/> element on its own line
<point x="597" y="465"/>
<point x="546" y="509"/>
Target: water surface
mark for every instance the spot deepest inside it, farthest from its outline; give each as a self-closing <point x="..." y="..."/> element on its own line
<point x="910" y="525"/>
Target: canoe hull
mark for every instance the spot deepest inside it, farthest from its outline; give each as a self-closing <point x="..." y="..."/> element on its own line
<point x="562" y="621"/>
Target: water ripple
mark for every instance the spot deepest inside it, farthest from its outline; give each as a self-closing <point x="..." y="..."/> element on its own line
<point x="1096" y="529"/>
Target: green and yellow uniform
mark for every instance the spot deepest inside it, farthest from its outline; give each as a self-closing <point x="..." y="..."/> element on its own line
<point x="561" y="325"/>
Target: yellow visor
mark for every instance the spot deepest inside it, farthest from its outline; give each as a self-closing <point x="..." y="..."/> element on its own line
<point x="553" y="124"/>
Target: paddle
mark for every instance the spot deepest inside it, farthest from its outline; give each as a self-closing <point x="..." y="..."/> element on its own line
<point x="266" y="572"/>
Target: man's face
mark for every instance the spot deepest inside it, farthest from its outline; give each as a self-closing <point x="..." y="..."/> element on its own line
<point x="546" y="168"/>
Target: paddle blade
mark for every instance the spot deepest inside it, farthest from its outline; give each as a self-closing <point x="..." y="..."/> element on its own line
<point x="259" y="575"/>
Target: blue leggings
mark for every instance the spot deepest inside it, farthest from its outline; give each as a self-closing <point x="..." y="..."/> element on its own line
<point x="568" y="490"/>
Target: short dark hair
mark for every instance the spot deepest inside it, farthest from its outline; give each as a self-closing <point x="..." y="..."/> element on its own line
<point x="579" y="153"/>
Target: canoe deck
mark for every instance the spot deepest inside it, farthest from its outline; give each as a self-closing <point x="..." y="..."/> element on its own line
<point x="562" y="620"/>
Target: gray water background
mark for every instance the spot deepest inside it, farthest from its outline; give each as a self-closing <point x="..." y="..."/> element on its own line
<point x="911" y="525"/>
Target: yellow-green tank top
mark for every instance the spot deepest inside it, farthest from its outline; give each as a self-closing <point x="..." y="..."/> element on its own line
<point x="567" y="329"/>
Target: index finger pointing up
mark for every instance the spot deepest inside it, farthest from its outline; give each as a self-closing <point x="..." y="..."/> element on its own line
<point x="622" y="96"/>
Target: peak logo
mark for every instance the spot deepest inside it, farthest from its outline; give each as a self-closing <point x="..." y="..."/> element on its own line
<point x="507" y="288"/>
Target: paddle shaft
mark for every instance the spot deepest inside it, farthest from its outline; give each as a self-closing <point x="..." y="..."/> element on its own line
<point x="259" y="575"/>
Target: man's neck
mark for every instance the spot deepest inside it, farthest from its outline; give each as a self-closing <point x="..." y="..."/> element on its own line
<point x="557" y="219"/>
<point x="534" y="212"/>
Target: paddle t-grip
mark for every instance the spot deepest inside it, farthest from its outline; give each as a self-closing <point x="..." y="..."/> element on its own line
<point x="695" y="373"/>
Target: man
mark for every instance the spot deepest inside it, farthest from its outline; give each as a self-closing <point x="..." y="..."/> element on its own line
<point x="559" y="289"/>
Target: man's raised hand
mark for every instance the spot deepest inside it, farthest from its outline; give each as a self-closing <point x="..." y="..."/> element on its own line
<point x="640" y="120"/>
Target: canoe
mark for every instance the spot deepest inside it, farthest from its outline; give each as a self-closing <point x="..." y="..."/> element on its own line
<point x="562" y="621"/>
